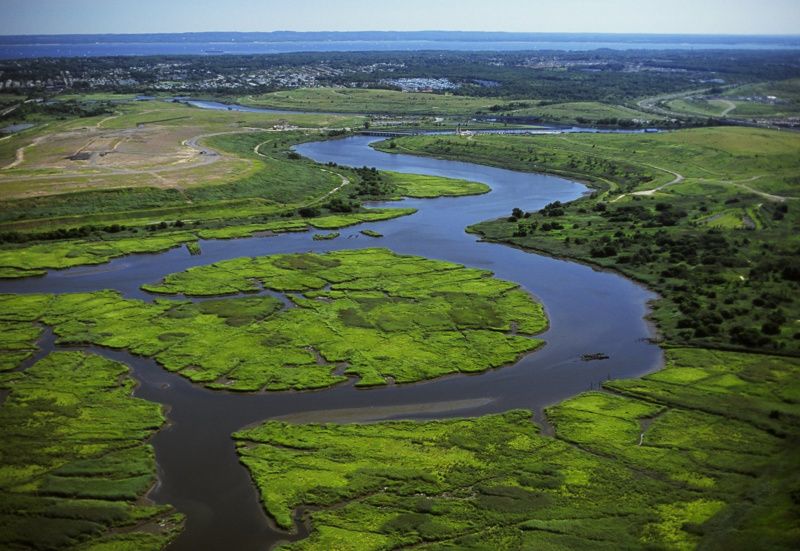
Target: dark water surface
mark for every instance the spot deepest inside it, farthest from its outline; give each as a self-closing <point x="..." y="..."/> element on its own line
<point x="589" y="311"/>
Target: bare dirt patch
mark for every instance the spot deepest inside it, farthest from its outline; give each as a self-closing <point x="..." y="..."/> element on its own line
<point x="99" y="158"/>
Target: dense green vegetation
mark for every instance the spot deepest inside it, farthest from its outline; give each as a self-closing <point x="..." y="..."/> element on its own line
<point x="422" y="186"/>
<point x="369" y="314"/>
<point x="705" y="217"/>
<point x="325" y="236"/>
<point x="35" y="259"/>
<point x="372" y="184"/>
<point x="700" y="454"/>
<point x="75" y="464"/>
<point x="17" y="341"/>
<point x="672" y="463"/>
<point x="30" y="112"/>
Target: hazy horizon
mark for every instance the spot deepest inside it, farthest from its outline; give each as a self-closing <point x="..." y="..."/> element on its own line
<point x="471" y="31"/>
<point x="678" y="17"/>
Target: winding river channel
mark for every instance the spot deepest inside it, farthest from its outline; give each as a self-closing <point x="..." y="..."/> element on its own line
<point x="590" y="311"/>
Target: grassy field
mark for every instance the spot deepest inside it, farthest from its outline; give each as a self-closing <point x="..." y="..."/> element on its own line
<point x="587" y="112"/>
<point x="707" y="218"/>
<point x="752" y="100"/>
<point x="137" y="144"/>
<point x="148" y="157"/>
<point x="701" y="106"/>
<point x="735" y="108"/>
<point x="671" y="461"/>
<point x="75" y="462"/>
<point x="363" y="100"/>
<point x="749" y="101"/>
<point x="421" y="186"/>
<point x="97" y="96"/>
<point x="385" y="318"/>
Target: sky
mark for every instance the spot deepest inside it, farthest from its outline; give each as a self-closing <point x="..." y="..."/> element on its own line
<point x="596" y="16"/>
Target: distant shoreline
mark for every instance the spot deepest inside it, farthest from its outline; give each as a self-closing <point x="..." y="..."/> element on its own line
<point x="465" y="36"/>
<point x="222" y="43"/>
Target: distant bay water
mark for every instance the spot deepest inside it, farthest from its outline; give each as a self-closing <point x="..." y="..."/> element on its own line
<point x="30" y="46"/>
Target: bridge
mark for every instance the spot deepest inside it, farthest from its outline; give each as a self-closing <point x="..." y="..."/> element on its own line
<point x="458" y="132"/>
<point x="390" y="133"/>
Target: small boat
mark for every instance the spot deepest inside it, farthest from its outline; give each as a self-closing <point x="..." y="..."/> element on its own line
<point x="594" y="357"/>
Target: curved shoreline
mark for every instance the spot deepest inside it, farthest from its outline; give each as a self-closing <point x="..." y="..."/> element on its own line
<point x="199" y="471"/>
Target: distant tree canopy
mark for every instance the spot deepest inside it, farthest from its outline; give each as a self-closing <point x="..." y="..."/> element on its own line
<point x="554" y="76"/>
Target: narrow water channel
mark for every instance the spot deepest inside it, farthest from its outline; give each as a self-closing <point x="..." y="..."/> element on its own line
<point x="589" y="311"/>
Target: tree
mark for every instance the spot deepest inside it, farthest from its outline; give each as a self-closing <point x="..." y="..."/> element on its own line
<point x="308" y="212"/>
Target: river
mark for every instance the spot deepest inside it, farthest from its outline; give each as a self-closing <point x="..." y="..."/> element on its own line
<point x="589" y="311"/>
